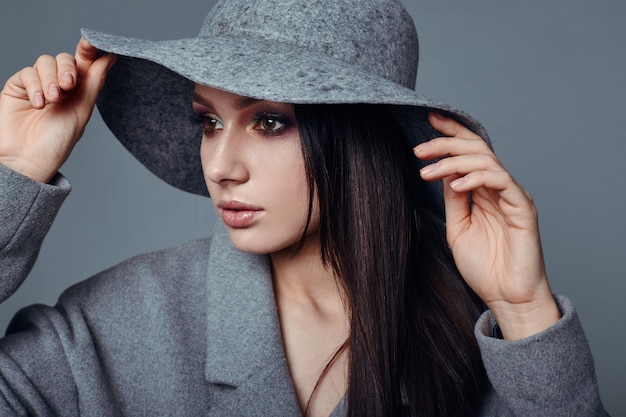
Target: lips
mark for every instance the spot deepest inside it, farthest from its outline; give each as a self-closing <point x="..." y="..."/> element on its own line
<point x="237" y="214"/>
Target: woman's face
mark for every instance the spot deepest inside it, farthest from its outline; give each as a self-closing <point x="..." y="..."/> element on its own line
<point x="254" y="169"/>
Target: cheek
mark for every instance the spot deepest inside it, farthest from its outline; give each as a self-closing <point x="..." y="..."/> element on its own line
<point x="295" y="183"/>
<point x="287" y="182"/>
<point x="286" y="189"/>
<point x="283" y="169"/>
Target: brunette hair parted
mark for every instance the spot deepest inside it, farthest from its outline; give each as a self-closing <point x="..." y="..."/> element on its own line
<point x="412" y="348"/>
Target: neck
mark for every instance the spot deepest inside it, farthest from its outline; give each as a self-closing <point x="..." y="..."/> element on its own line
<point x="301" y="277"/>
<point x="314" y="324"/>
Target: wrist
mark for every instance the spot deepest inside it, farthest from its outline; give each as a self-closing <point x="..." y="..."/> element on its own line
<point x="28" y="170"/>
<point x="520" y="320"/>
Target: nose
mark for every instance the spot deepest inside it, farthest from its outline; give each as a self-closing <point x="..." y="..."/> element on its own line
<point x="223" y="159"/>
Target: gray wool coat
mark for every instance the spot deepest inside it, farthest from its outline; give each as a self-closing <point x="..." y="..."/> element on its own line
<point x="193" y="331"/>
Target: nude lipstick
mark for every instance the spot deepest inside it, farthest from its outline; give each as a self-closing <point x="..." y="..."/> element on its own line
<point x="238" y="215"/>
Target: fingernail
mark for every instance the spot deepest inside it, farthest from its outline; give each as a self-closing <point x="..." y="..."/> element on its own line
<point x="53" y="91"/>
<point x="429" y="169"/>
<point x="422" y="147"/>
<point x="67" y="78"/>
<point x="438" y="116"/>
<point x="458" y="182"/>
<point x="38" y="99"/>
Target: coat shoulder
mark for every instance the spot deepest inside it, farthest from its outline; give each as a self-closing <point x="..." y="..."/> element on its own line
<point x="171" y="273"/>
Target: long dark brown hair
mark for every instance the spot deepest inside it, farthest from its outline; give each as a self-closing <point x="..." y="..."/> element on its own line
<point x="412" y="350"/>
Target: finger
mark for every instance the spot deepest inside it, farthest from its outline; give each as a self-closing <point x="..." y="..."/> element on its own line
<point x="494" y="192"/>
<point x="46" y="67"/>
<point x="451" y="146"/>
<point x="92" y="68"/>
<point x="93" y="81"/>
<point x="501" y="181"/>
<point x="66" y="71"/>
<point x="450" y="127"/>
<point x="456" y="140"/>
<point x="26" y="85"/>
<point x="460" y="165"/>
<point x="85" y="56"/>
<point x="457" y="207"/>
<point x="493" y="180"/>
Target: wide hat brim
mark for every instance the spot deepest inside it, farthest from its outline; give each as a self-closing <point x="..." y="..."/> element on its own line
<point x="146" y="100"/>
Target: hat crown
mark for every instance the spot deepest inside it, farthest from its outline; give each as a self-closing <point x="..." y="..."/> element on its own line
<point x="377" y="36"/>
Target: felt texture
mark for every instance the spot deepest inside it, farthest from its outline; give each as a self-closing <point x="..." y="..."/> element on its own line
<point x="22" y="200"/>
<point x="517" y="368"/>
<point x="294" y="51"/>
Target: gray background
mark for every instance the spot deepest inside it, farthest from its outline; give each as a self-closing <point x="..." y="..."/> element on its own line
<point x="546" y="79"/>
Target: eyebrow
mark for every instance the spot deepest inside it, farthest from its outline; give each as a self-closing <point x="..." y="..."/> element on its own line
<point x="239" y="104"/>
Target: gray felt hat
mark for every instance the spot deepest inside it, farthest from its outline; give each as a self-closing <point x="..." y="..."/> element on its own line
<point x="295" y="51"/>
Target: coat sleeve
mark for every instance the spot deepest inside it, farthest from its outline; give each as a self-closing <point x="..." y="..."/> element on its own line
<point x="42" y="360"/>
<point x="130" y="341"/>
<point x="548" y="374"/>
<point x="27" y="210"/>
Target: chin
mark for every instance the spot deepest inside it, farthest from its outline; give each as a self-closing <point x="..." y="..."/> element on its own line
<point x="256" y="243"/>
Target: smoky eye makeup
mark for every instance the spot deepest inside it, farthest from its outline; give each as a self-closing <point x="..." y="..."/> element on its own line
<point x="266" y="118"/>
<point x="208" y="121"/>
<point x="270" y="123"/>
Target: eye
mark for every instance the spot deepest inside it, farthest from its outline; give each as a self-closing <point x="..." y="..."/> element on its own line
<point x="211" y="123"/>
<point x="271" y="124"/>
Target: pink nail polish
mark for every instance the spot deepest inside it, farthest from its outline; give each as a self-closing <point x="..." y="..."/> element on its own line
<point x="423" y="147"/>
<point x="53" y="91"/>
<point x="67" y="78"/>
<point x="458" y="182"/>
<point x="38" y="99"/>
<point x="438" y="116"/>
<point x="429" y="169"/>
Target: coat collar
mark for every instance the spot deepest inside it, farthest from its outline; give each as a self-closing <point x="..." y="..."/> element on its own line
<point x="245" y="354"/>
<point x="246" y="361"/>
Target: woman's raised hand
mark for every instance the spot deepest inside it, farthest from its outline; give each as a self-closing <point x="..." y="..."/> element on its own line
<point x="495" y="239"/>
<point x="44" y="110"/>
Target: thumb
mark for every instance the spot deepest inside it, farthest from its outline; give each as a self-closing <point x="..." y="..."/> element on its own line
<point x="96" y="75"/>
<point x="93" y="80"/>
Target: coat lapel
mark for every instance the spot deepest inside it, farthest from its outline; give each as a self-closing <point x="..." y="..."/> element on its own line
<point x="245" y="360"/>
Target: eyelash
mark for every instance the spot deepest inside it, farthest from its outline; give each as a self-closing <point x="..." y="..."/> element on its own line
<point x="206" y="118"/>
<point x="202" y="120"/>
<point x="284" y="121"/>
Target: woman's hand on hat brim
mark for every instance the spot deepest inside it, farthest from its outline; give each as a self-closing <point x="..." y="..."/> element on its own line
<point x="44" y="109"/>
<point x="495" y="238"/>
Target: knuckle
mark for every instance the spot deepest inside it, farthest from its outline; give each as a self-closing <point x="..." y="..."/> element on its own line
<point x="492" y="160"/>
<point x="442" y="142"/>
<point x="65" y="60"/>
<point x="482" y="146"/>
<point x="28" y="76"/>
<point x="477" y="176"/>
<point x="474" y="136"/>
<point x="507" y="177"/>
<point x="26" y="72"/>
<point x="43" y="60"/>
<point x="63" y="56"/>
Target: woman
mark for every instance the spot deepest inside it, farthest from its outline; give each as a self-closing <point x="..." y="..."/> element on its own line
<point x="330" y="288"/>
